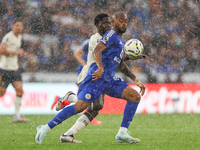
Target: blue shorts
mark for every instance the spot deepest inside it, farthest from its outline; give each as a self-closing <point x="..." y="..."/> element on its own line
<point x="90" y="91"/>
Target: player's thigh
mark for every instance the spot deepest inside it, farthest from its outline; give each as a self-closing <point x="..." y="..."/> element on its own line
<point x="5" y="80"/>
<point x="18" y="86"/>
<point x="115" y="87"/>
<point x="120" y="89"/>
<point x="2" y="91"/>
<point x="89" y="90"/>
<point x="130" y="94"/>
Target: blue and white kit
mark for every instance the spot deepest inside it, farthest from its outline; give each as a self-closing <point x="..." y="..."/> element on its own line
<point x="108" y="83"/>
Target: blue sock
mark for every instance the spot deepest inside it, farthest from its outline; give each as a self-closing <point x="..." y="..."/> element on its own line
<point x="61" y="116"/>
<point x="129" y="112"/>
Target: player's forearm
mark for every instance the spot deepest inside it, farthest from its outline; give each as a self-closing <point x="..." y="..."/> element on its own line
<point x="80" y="60"/>
<point x="6" y="52"/>
<point x="125" y="70"/>
<point x="126" y="57"/>
<point x="77" y="56"/>
<point x="98" y="58"/>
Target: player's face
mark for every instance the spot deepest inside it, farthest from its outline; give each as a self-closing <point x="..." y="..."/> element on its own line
<point x="120" y="24"/>
<point x="17" y="27"/>
<point x="104" y="25"/>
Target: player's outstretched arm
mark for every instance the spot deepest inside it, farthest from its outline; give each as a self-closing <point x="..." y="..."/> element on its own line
<point x="125" y="70"/>
<point x="77" y="55"/>
<point x="127" y="57"/>
<point x="98" y="59"/>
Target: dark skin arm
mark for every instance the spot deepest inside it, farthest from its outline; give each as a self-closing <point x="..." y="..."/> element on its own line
<point x="98" y="59"/>
<point x="77" y="55"/>
<point x="126" y="57"/>
<point x="125" y="70"/>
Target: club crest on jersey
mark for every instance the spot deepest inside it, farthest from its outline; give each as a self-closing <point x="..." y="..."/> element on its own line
<point x="88" y="96"/>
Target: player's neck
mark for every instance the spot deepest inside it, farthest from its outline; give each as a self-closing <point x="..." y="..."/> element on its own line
<point x="16" y="34"/>
<point x="118" y="32"/>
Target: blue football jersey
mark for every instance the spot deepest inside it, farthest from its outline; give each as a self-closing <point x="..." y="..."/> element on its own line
<point x="111" y="56"/>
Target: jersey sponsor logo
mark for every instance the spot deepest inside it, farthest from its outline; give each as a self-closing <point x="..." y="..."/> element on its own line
<point x="88" y="96"/>
<point x="117" y="59"/>
<point x="122" y="53"/>
<point x="121" y="56"/>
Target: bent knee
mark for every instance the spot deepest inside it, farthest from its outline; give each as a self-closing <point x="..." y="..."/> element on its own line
<point x="98" y="107"/>
<point x="19" y="92"/>
<point x="137" y="97"/>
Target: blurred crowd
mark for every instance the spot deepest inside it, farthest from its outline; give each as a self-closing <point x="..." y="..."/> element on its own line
<point x="54" y="29"/>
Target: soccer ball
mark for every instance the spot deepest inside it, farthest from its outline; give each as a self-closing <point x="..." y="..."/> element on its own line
<point x="133" y="47"/>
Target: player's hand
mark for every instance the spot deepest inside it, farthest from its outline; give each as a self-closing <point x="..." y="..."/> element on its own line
<point x="141" y="85"/>
<point x="97" y="74"/>
<point x="21" y="52"/>
<point x="142" y="56"/>
<point x="127" y="57"/>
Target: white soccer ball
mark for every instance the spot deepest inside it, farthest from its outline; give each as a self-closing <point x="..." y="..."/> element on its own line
<point x="133" y="47"/>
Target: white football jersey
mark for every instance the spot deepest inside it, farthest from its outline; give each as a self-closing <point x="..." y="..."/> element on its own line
<point x="13" y="43"/>
<point x="94" y="39"/>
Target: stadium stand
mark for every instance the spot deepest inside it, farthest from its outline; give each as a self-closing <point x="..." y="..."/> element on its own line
<point x="53" y="28"/>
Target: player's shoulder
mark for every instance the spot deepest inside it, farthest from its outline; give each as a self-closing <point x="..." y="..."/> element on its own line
<point x="110" y="33"/>
<point x="110" y="36"/>
<point x="9" y="34"/>
<point x="7" y="37"/>
<point x="95" y="36"/>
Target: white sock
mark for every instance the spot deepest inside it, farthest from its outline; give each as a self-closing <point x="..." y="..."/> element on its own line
<point x="18" y="100"/>
<point x="79" y="125"/>
<point x="47" y="127"/>
<point x="72" y="98"/>
<point x="123" y="129"/>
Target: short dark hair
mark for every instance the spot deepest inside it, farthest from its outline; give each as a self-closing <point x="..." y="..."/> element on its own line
<point x="17" y="20"/>
<point x="99" y="17"/>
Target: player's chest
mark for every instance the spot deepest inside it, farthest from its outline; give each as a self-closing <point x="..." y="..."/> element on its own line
<point x="15" y="43"/>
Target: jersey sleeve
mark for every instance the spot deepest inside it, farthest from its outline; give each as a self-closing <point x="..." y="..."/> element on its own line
<point x="5" y="39"/>
<point x="109" y="38"/>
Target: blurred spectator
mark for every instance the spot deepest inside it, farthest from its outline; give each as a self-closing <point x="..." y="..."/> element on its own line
<point x="169" y="31"/>
<point x="32" y="61"/>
